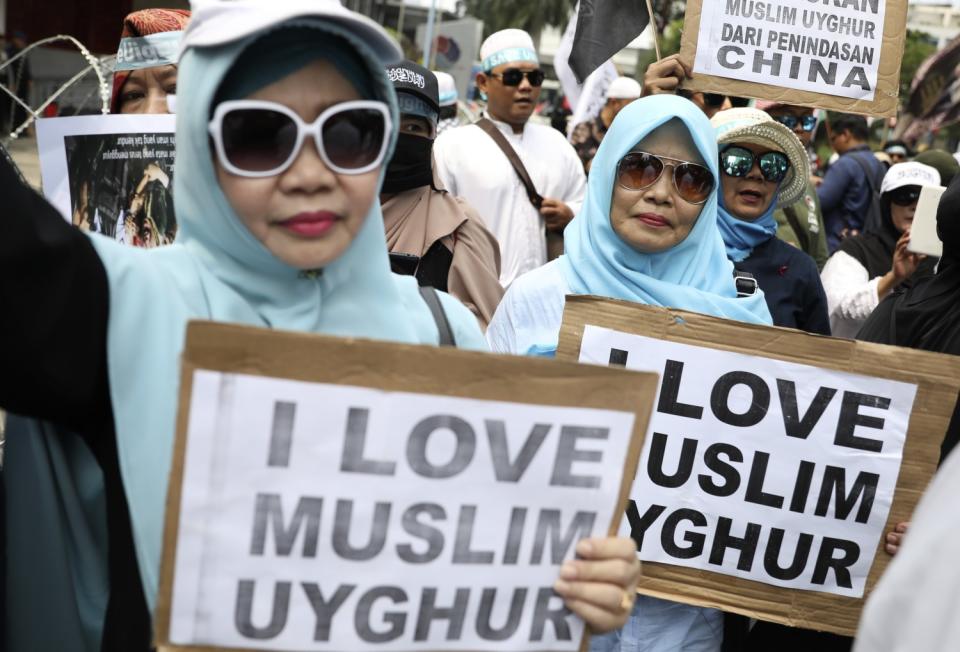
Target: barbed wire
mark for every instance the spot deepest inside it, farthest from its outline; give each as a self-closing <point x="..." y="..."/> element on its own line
<point x="95" y="64"/>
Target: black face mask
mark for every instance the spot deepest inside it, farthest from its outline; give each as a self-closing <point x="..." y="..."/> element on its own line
<point x="411" y="166"/>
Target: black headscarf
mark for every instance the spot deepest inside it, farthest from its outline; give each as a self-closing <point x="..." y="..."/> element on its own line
<point x="927" y="315"/>
<point x="875" y="246"/>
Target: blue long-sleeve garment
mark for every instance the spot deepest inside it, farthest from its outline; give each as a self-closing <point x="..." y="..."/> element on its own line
<point x="845" y="193"/>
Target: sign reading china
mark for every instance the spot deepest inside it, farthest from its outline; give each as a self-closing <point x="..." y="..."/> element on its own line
<point x="345" y="495"/>
<point x="774" y="457"/>
<point x="838" y="54"/>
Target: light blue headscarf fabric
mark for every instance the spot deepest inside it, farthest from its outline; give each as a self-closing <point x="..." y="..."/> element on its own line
<point x="694" y="275"/>
<point x="218" y="271"/>
<point x="741" y="237"/>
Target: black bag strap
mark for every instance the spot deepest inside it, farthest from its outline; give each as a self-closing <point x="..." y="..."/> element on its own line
<point x="874" y="219"/>
<point x="871" y="181"/>
<point x="491" y="129"/>
<point x="802" y="234"/>
<point x="432" y="299"/>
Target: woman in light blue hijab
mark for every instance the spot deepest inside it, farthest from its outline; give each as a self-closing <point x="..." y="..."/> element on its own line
<point x="637" y="238"/>
<point x="280" y="227"/>
<point x="647" y="233"/>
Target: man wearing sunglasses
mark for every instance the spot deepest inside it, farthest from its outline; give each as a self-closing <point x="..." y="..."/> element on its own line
<point x="801" y="223"/>
<point x="486" y="167"/>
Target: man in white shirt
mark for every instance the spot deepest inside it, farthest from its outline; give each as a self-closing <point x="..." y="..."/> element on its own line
<point x="471" y="165"/>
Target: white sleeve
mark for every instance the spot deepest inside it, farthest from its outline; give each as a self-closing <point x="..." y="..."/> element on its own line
<point x="576" y="180"/>
<point x="501" y="333"/>
<point x="851" y="293"/>
<point x="442" y="164"/>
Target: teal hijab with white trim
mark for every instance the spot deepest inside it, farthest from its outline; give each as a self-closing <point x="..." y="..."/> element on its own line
<point x="218" y="271"/>
<point x="694" y="275"/>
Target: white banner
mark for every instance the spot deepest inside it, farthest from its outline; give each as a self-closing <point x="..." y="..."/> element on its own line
<point x="772" y="471"/>
<point x="830" y="48"/>
<point x="330" y="517"/>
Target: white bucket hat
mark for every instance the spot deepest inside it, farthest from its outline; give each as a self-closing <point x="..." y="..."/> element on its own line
<point x="756" y="127"/>
<point x="216" y="22"/>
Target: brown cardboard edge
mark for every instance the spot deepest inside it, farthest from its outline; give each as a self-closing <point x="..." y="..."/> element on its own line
<point x="886" y="100"/>
<point x="938" y="380"/>
<point x="221" y="347"/>
<point x="171" y="526"/>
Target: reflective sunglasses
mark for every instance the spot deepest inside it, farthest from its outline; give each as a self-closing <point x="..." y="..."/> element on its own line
<point x="807" y="122"/>
<point x="738" y="161"/>
<point x="905" y="196"/>
<point x="514" y="77"/>
<point x="639" y="170"/>
<point x="255" y="138"/>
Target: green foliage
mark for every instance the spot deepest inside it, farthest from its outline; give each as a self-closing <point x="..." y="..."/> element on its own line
<point x="669" y="44"/>
<point x="529" y="15"/>
<point x="919" y="47"/>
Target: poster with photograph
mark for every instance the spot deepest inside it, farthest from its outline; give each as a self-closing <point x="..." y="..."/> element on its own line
<point x="112" y="174"/>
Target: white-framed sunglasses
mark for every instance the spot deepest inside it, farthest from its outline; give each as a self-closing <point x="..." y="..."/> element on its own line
<point x="257" y="138"/>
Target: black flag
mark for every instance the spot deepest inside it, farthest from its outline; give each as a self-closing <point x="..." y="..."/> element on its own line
<point x="604" y="27"/>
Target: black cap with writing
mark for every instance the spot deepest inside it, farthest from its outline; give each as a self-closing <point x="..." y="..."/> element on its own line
<point x="409" y="77"/>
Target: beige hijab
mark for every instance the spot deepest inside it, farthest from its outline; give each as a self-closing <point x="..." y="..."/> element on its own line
<point x="414" y="220"/>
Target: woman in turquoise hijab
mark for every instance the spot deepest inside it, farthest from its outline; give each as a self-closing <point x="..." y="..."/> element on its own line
<point x="286" y="118"/>
<point x="647" y="233"/>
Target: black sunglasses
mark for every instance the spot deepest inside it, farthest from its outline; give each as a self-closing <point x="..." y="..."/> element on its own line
<point x="514" y="77"/>
<point x="905" y="196"/>
<point x="639" y="170"/>
<point x="738" y="161"/>
<point x="807" y="122"/>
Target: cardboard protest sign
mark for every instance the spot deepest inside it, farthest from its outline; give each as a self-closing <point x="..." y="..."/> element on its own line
<point x="775" y="461"/>
<point x="112" y="174"/>
<point x="347" y="495"/>
<point x="843" y="55"/>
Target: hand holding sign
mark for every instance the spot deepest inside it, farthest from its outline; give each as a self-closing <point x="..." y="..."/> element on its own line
<point x="429" y="505"/>
<point x="842" y="55"/>
<point x="665" y="77"/>
<point x="601" y="585"/>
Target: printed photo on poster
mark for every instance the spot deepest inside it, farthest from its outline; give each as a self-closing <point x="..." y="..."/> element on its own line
<point x="112" y="175"/>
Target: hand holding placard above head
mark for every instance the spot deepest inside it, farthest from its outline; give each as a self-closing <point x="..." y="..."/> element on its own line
<point x="842" y="55"/>
<point x="429" y="505"/>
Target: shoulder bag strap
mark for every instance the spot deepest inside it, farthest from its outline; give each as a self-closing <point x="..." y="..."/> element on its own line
<point x="432" y="299"/>
<point x="491" y="130"/>
<point x="794" y="220"/>
<point x="871" y="180"/>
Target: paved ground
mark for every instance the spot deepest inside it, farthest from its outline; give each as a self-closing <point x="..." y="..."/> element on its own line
<point x="24" y="152"/>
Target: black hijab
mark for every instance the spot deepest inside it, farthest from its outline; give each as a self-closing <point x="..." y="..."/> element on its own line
<point x="927" y="315"/>
<point x="875" y="246"/>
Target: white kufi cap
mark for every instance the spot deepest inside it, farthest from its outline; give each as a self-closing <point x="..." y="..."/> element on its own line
<point x="507" y="46"/>
<point x="448" y="88"/>
<point x="624" y="88"/>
